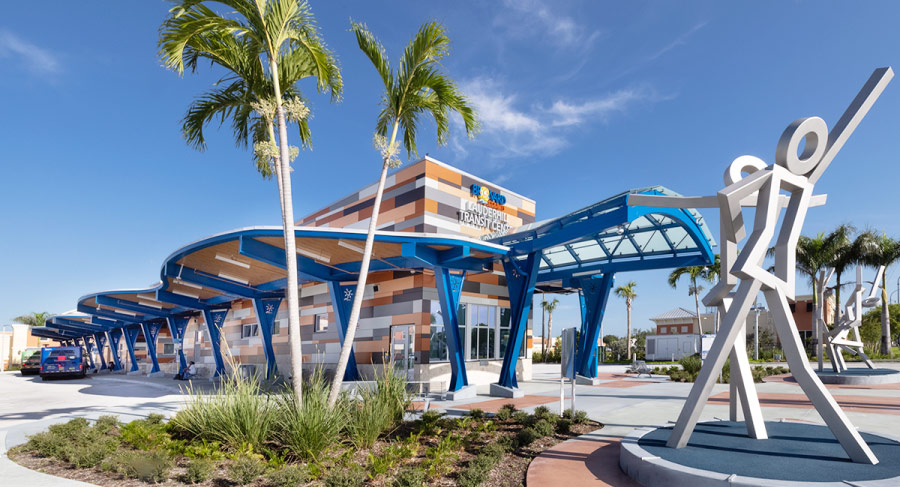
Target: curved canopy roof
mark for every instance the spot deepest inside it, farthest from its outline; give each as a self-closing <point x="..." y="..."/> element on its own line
<point x="608" y="236"/>
<point x="613" y="236"/>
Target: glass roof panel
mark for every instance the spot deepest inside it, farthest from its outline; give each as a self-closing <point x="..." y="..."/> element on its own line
<point x="625" y="248"/>
<point x="589" y="250"/>
<point x="657" y="243"/>
<point x="678" y="236"/>
<point x="559" y="256"/>
<point x="642" y="238"/>
<point x="640" y="222"/>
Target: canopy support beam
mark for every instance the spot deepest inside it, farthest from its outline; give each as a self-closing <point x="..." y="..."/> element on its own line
<point x="341" y="304"/>
<point x="521" y="278"/>
<point x="266" y="309"/>
<point x="596" y="291"/>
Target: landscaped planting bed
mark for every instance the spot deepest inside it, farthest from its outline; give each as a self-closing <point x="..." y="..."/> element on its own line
<point x="243" y="436"/>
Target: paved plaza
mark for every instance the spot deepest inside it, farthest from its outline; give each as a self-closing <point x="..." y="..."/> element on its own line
<point x="621" y="402"/>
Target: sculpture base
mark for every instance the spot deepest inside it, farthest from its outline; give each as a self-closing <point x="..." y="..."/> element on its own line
<point x="860" y="376"/>
<point x="586" y="381"/>
<point x="465" y="392"/>
<point x="509" y="392"/>
<point x="721" y="454"/>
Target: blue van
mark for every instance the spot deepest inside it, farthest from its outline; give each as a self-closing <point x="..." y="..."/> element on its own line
<point x="62" y="362"/>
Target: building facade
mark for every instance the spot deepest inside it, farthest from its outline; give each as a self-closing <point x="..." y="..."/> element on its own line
<point x="400" y="321"/>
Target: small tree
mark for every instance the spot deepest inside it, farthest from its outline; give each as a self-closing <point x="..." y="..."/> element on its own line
<point x="628" y="293"/>
<point x="549" y="307"/>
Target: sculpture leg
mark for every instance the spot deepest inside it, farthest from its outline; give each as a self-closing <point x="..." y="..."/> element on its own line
<point x="715" y="359"/>
<point x="734" y="396"/>
<point x="749" y="400"/>
<point x="825" y="405"/>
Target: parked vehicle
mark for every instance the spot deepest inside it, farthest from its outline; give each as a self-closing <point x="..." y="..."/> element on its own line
<point x="62" y="362"/>
<point x="31" y="361"/>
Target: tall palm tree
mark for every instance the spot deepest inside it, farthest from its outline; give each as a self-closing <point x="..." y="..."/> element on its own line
<point x="35" y="318"/>
<point x="845" y="251"/>
<point x="549" y="307"/>
<point x="694" y="273"/>
<point x="543" y="327"/>
<point x="266" y="47"/>
<point x="416" y="89"/>
<point x="883" y="251"/>
<point x="628" y="293"/>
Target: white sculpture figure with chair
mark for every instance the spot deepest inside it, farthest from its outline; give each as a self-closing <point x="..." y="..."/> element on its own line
<point x="838" y="339"/>
<point x="768" y="188"/>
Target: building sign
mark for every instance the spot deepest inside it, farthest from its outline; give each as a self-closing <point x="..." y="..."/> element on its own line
<point x="486" y="212"/>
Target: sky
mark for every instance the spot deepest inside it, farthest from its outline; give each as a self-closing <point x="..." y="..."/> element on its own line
<point x="578" y="101"/>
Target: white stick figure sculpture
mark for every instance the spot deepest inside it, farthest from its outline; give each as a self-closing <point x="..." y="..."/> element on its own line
<point x="838" y="338"/>
<point x="762" y="188"/>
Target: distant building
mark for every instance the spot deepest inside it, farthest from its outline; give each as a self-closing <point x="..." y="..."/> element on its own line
<point x="680" y="321"/>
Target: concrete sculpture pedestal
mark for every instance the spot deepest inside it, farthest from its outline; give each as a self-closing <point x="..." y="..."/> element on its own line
<point x="720" y="453"/>
<point x="509" y="392"/>
<point x="860" y="377"/>
<point x="466" y="392"/>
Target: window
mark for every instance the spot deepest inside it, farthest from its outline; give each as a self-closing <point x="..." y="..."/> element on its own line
<point x="663" y="330"/>
<point x="276" y="327"/>
<point x="321" y="323"/>
<point x="482" y="332"/>
<point x="439" y="352"/>
<point x="168" y="349"/>
<point x="684" y="329"/>
<point x="248" y="331"/>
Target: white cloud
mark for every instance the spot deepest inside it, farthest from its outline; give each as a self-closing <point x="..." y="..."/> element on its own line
<point x="561" y="29"/>
<point x="514" y="129"/>
<point x="35" y="58"/>
<point x="679" y="41"/>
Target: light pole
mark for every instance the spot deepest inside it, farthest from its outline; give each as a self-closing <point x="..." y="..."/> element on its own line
<point x="756" y="309"/>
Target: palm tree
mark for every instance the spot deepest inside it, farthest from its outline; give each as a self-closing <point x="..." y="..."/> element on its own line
<point x="549" y="307"/>
<point x="844" y="252"/>
<point x="694" y="273"/>
<point x="543" y="327"/>
<point x="882" y="251"/>
<point x="713" y="274"/>
<point x="35" y="318"/>
<point x="266" y="47"/>
<point x="627" y="291"/>
<point x="416" y="89"/>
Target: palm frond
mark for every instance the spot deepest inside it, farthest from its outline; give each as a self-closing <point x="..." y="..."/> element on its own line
<point x="373" y="49"/>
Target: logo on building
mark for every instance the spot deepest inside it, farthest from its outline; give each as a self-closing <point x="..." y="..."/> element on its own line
<point x="487" y="212"/>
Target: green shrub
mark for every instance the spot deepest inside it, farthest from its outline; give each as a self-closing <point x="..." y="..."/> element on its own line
<point x="89" y="455"/>
<point x="198" y="470"/>
<point x="409" y="477"/>
<point x="106" y="424"/>
<point x="46" y="444"/>
<point x="151" y="467"/>
<point x="691" y="364"/>
<point x="76" y="442"/>
<point x="313" y="429"/>
<point x="579" y="417"/>
<point x="209" y="450"/>
<point x="508" y="443"/>
<point x="347" y="476"/>
<point x="477" y="414"/>
<point x="495" y="451"/>
<point x="246" y="469"/>
<point x="522" y="418"/>
<point x="146" y="434"/>
<point x="479" y="470"/>
<point x="545" y="427"/>
<point x="378" y="409"/>
<point x="238" y="414"/>
<point x="506" y="412"/>
<point x="526" y="436"/>
<point x="543" y="412"/>
<point x="563" y="425"/>
<point x="288" y="476"/>
<point x="440" y="458"/>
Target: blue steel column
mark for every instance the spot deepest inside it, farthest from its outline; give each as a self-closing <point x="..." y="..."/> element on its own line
<point x="596" y="293"/>
<point x="266" y="309"/>
<point x="115" y="336"/>
<point x="449" y="287"/>
<point x="131" y="334"/>
<point x="177" y="326"/>
<point x="581" y="302"/>
<point x="100" y="340"/>
<point x="521" y="276"/>
<point x="90" y="349"/>
<point x="341" y="304"/>
<point x="151" y="333"/>
<point x="214" y="320"/>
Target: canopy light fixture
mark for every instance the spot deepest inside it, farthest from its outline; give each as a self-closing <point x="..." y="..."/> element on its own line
<point x="149" y="305"/>
<point x="348" y="245"/>
<point x="313" y="255"/>
<point x="187" y="295"/>
<point x="233" y="278"/>
<point x="185" y="283"/>
<point x="238" y="263"/>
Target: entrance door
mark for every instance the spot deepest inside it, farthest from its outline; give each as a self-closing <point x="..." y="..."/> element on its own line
<point x="403" y="353"/>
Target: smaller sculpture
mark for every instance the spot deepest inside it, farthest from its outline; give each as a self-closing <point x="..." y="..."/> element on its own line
<point x="838" y="338"/>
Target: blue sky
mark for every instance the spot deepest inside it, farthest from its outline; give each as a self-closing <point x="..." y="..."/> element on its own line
<point x="579" y="100"/>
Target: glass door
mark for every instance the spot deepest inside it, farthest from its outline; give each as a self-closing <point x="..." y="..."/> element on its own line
<point x="403" y="353"/>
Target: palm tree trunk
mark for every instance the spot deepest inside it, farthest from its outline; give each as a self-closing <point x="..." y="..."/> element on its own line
<point x="549" y="331"/>
<point x="837" y="299"/>
<point x="628" y="337"/>
<point x="290" y="246"/>
<point x="277" y="172"/>
<point x="350" y="335"/>
<point x="697" y="307"/>
<point x="543" y="332"/>
<point x="885" y="321"/>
